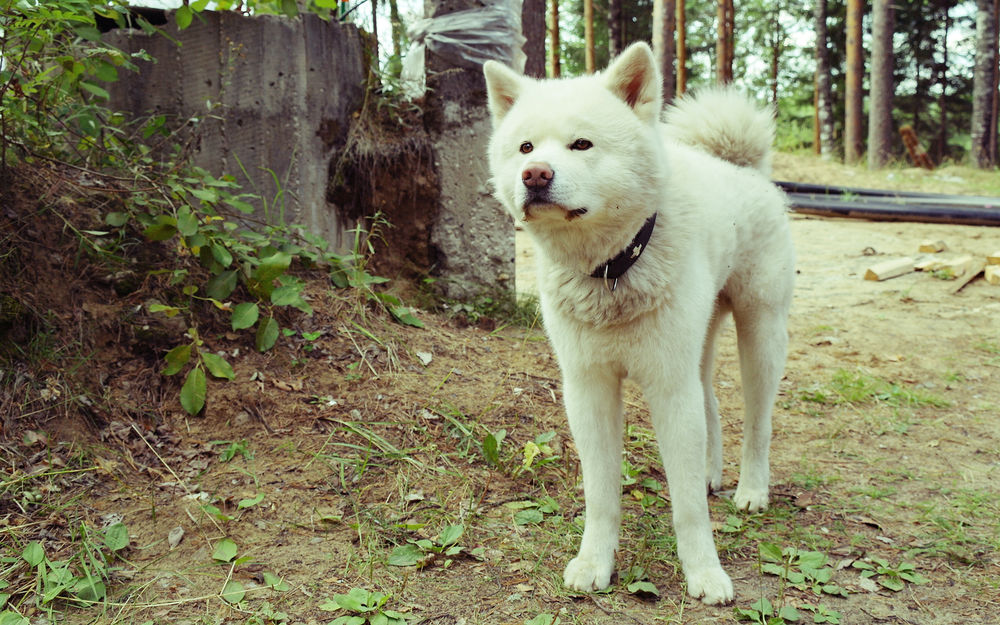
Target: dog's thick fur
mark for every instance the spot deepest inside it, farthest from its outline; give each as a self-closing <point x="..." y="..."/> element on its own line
<point x="584" y="162"/>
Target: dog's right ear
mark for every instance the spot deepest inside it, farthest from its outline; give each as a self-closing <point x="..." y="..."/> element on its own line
<point x="503" y="86"/>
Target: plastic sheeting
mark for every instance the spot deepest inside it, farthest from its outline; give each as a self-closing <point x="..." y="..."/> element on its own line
<point x="467" y="39"/>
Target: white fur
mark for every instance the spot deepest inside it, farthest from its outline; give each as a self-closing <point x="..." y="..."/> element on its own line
<point x="721" y="245"/>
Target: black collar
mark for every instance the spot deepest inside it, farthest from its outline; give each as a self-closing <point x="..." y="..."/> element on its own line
<point x="617" y="266"/>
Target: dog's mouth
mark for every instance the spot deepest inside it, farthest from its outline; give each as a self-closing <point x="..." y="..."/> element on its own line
<point x="534" y="209"/>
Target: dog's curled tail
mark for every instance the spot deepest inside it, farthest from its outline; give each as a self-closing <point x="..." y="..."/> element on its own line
<point x="725" y="123"/>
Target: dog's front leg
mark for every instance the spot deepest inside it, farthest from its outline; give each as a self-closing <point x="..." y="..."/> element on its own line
<point x="594" y="408"/>
<point x="677" y="408"/>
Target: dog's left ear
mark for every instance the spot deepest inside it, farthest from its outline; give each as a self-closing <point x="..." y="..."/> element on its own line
<point x="503" y="86"/>
<point x="633" y="77"/>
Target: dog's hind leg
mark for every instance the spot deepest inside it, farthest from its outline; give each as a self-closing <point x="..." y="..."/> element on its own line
<point x="762" y="339"/>
<point x="594" y="408"/>
<point x="713" y="457"/>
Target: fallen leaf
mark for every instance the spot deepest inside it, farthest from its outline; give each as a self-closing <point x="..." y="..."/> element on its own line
<point x="425" y="357"/>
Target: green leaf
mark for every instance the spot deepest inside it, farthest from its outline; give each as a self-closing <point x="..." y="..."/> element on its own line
<point x="271" y="267"/>
<point x="116" y="220"/>
<point x="194" y="391"/>
<point x="248" y="503"/>
<point x="222" y="285"/>
<point x="771" y="552"/>
<point x="225" y="550"/>
<point x="162" y="229"/>
<point x="222" y="255"/>
<point x="177" y="358"/>
<point x="531" y="516"/>
<point x="290" y="295"/>
<point x="450" y="535"/>
<point x="405" y="555"/>
<point x="187" y="222"/>
<point x="33" y="553"/>
<point x="267" y="334"/>
<point x="12" y="618"/>
<point x="891" y="582"/>
<point x="89" y="588"/>
<point x="170" y="311"/>
<point x="491" y="446"/>
<point x="274" y="582"/>
<point x="116" y="537"/>
<point x="643" y="587"/>
<point x="210" y="196"/>
<point x="405" y="315"/>
<point x="290" y="8"/>
<point x="542" y="619"/>
<point x="233" y="592"/>
<point x="217" y="365"/>
<point x="789" y="614"/>
<point x="100" y="92"/>
<point x="245" y="315"/>
<point x="183" y="16"/>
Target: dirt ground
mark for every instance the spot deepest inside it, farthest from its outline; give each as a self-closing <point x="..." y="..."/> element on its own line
<point x="886" y="445"/>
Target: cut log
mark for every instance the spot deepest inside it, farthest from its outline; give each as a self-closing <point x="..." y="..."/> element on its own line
<point x="992" y="274"/>
<point x="994" y="258"/>
<point x="932" y="247"/>
<point x="889" y="269"/>
<point x="929" y="264"/>
<point x="962" y="265"/>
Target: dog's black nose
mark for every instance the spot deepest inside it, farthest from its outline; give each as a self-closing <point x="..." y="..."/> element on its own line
<point x="537" y="176"/>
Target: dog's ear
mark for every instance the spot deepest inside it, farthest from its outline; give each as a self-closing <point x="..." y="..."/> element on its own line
<point x="503" y="86"/>
<point x="633" y="77"/>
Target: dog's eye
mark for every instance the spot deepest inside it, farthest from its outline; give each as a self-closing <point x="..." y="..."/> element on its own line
<point x="581" y="144"/>
<point x="526" y="147"/>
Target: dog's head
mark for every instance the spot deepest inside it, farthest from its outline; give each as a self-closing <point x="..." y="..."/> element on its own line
<point x="576" y="149"/>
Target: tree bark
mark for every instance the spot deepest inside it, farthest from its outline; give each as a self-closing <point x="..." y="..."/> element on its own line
<point x="983" y="85"/>
<point x="589" y="55"/>
<point x="724" y="42"/>
<point x="880" y="132"/>
<point x="681" y="48"/>
<point x="615" y="27"/>
<point x="533" y="29"/>
<point x="824" y="97"/>
<point x="853" y="94"/>
<point x="664" y="14"/>
<point x="554" y="65"/>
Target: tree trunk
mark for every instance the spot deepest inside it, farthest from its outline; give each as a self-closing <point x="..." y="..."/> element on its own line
<point x="554" y="67"/>
<point x="614" y="27"/>
<point x="983" y="93"/>
<point x="853" y="74"/>
<point x="589" y="55"/>
<point x="777" y="46"/>
<point x="724" y="42"/>
<point x="664" y="14"/>
<point x="397" y="30"/>
<point x="880" y="132"/>
<point x="533" y="29"/>
<point x="681" y="49"/>
<point x="824" y="96"/>
<point x="941" y="141"/>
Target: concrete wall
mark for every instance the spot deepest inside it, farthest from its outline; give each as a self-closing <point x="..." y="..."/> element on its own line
<point x="274" y="94"/>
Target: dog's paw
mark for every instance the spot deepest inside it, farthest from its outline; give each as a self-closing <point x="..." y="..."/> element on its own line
<point x="711" y="585"/>
<point x="585" y="573"/>
<point x="714" y="480"/>
<point x="750" y="499"/>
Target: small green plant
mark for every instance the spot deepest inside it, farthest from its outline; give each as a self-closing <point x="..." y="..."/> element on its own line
<point x="233" y="449"/>
<point x="533" y="512"/>
<point x="764" y="612"/>
<point x="893" y="578"/>
<point x="83" y="577"/>
<point x="363" y="607"/>
<point x="805" y="570"/>
<point x="636" y="581"/>
<point x="424" y="552"/>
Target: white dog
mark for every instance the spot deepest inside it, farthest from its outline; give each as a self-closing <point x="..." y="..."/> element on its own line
<point x="647" y="236"/>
